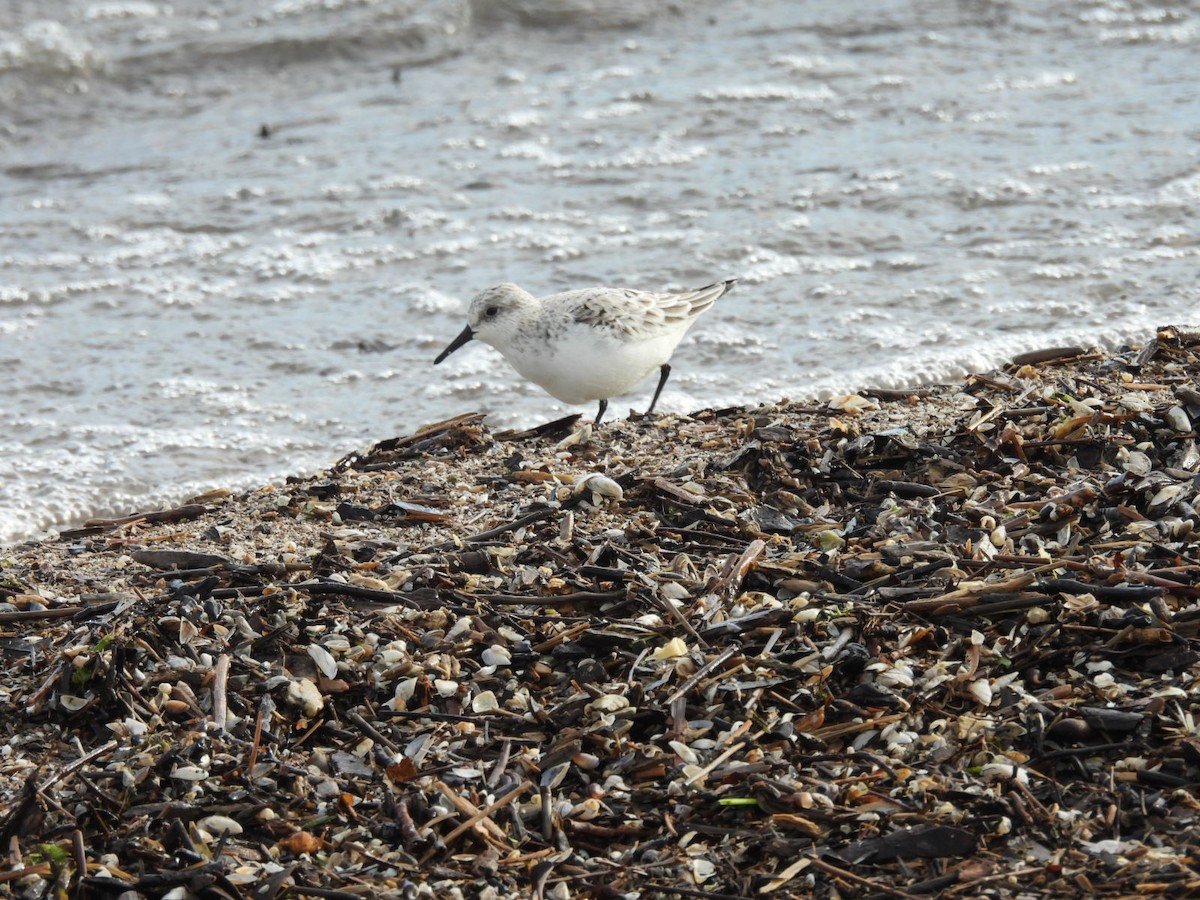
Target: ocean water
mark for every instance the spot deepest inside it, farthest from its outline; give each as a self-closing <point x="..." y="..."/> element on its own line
<point x="233" y="235"/>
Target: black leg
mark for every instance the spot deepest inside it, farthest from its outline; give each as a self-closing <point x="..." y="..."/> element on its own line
<point x="600" y="411"/>
<point x="662" y="379"/>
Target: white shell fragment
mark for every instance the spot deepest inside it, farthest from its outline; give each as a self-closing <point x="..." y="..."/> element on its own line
<point x="1178" y="420"/>
<point x="702" y="870"/>
<point x="601" y="487"/>
<point x="673" y="590"/>
<point x="579" y="437"/>
<point x="1005" y="771"/>
<point x="324" y="660"/>
<point x="853" y="404"/>
<point x="305" y="696"/>
<point x="1137" y="463"/>
<point x="672" y="649"/>
<point x="485" y="701"/>
<point x="686" y="753"/>
<point x="981" y="690"/>
<point x="496" y="655"/>
<point x="219" y="825"/>
<point x="189" y="773"/>
<point x="609" y="703"/>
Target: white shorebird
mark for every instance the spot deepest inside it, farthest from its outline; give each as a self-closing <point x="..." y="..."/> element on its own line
<point x="589" y="344"/>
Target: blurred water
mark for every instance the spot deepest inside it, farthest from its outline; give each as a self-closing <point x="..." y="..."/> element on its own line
<point x="233" y="235"/>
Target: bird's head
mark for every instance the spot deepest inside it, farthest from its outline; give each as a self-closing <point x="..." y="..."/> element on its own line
<point x="495" y="315"/>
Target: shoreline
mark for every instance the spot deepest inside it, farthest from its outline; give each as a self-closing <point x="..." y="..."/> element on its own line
<point x="88" y="502"/>
<point x="895" y="644"/>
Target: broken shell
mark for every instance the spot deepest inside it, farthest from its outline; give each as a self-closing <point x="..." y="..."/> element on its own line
<point x="219" y="825"/>
<point x="586" y="810"/>
<point x="609" y="703"/>
<point x="981" y="690"/>
<point x="189" y="773"/>
<point x="1178" y="420"/>
<point x="576" y="438"/>
<point x="673" y="590"/>
<point x="324" y="660"/>
<point x="829" y="539"/>
<point x="702" y="870"/>
<point x="1166" y="498"/>
<point x="1137" y="463"/>
<point x="587" y="761"/>
<point x="853" y="404"/>
<point x="1004" y="771"/>
<point x="685" y="753"/>
<point x="496" y="655"/>
<point x="672" y="649"/>
<point x="305" y="696"/>
<point x="600" y="486"/>
<point x="485" y="701"/>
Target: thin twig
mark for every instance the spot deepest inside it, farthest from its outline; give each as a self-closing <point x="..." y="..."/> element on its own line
<point x="467" y="808"/>
<point x="486" y="812"/>
<point x="703" y="671"/>
<point x="838" y="872"/>
<point x="78" y="764"/>
<point x="370" y="730"/>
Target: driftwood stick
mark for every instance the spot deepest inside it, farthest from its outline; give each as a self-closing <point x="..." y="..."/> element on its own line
<point x="485" y="813"/>
<point x="220" y="703"/>
<point x="78" y="764"/>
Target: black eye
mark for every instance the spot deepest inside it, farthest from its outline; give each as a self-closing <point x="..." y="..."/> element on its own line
<point x="491" y="311"/>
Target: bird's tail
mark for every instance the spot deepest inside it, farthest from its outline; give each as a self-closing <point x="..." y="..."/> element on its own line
<point x="702" y="298"/>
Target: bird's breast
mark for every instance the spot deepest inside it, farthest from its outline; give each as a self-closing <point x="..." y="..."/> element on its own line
<point x="581" y="364"/>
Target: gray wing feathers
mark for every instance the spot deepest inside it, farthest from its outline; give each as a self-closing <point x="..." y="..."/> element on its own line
<point x="697" y="301"/>
<point x="641" y="313"/>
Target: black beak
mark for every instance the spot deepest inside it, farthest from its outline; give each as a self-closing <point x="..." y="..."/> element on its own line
<point x="465" y="336"/>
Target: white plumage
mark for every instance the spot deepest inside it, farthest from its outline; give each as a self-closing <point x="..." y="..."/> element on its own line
<point x="588" y="344"/>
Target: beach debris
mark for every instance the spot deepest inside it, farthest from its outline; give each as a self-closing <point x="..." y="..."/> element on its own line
<point x="938" y="642"/>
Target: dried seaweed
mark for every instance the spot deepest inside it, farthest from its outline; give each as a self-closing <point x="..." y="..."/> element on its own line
<point x="898" y="645"/>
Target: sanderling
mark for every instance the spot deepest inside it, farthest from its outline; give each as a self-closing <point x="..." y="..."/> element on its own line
<point x="590" y="344"/>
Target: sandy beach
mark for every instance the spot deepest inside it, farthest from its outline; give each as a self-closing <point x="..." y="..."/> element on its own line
<point x="896" y="644"/>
